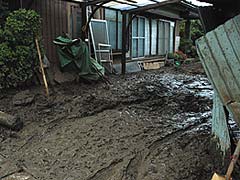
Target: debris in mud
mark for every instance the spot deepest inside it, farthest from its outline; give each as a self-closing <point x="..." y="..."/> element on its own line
<point x="148" y="125"/>
<point x="23" y="98"/>
<point x="19" y="176"/>
<point x="11" y="122"/>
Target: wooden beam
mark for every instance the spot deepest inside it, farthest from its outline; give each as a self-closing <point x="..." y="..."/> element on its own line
<point x="95" y="2"/>
<point x="86" y="26"/>
<point x="152" y="6"/>
<point x="154" y="1"/>
<point x="122" y="2"/>
<point x="84" y="34"/>
<point x="72" y="1"/>
<point x="132" y="1"/>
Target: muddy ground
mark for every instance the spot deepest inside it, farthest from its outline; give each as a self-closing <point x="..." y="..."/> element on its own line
<point x="152" y="125"/>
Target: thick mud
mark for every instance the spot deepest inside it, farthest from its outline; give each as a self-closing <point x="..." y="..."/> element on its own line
<point x="146" y="126"/>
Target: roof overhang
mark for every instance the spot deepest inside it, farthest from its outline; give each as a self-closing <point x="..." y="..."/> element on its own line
<point x="170" y="9"/>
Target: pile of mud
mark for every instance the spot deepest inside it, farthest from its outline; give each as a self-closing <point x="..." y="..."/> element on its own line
<point x="148" y="125"/>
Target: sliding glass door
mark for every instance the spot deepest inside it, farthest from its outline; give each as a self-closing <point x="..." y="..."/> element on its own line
<point x="138" y="37"/>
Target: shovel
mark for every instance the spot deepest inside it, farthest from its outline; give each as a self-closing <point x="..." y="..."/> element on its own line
<point x="42" y="68"/>
<point x="230" y="167"/>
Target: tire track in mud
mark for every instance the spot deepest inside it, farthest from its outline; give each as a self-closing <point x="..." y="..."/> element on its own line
<point x="106" y="172"/>
<point x="136" y="163"/>
<point x="176" y="134"/>
<point x="132" y="167"/>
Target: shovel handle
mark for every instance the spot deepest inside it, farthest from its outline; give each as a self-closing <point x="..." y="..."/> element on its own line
<point x="233" y="161"/>
<point x="42" y="68"/>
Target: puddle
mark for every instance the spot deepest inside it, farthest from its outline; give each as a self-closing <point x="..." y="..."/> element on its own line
<point x="197" y="85"/>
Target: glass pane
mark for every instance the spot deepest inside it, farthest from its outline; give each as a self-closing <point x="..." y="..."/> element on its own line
<point x="171" y="38"/>
<point x="161" y="38"/>
<point x="167" y="36"/>
<point x="141" y="27"/>
<point x="154" y="37"/>
<point x="119" y="16"/>
<point x="134" y="28"/>
<point x="147" y="38"/>
<point x="141" y="48"/>
<point x="79" y="23"/>
<point x="119" y="35"/>
<point x="99" y="32"/>
<point x="110" y="14"/>
<point x="112" y="33"/>
<point x="134" y="48"/>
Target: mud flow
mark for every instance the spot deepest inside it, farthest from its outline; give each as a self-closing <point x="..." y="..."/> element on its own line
<point x="151" y="125"/>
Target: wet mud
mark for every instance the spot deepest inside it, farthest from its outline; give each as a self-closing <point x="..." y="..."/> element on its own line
<point x="145" y="126"/>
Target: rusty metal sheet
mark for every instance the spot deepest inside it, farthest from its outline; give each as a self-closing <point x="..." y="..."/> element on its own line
<point x="220" y="54"/>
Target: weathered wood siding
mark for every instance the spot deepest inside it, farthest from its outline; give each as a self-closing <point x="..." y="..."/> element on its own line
<point x="58" y="17"/>
<point x="220" y="55"/>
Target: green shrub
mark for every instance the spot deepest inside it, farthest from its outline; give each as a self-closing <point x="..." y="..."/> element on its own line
<point x="188" y="45"/>
<point x="18" y="56"/>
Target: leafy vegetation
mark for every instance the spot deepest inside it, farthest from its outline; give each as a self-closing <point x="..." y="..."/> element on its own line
<point x="178" y="55"/>
<point x="188" y="45"/>
<point x="18" y="56"/>
<point x="3" y="11"/>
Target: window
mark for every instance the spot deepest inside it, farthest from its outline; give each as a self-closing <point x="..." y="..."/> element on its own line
<point x="138" y="37"/>
<point x="147" y="37"/>
<point x="163" y="37"/>
<point x="154" y="37"/>
<point x="114" y="21"/>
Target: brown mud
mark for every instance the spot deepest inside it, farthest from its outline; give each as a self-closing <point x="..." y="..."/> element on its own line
<point x="151" y="125"/>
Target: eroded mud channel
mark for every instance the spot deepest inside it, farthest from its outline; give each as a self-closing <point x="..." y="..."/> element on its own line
<point x="145" y="126"/>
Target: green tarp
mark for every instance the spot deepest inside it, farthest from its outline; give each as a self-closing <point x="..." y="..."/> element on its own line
<point x="74" y="57"/>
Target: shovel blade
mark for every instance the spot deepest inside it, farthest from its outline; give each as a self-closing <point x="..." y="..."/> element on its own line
<point x="218" y="177"/>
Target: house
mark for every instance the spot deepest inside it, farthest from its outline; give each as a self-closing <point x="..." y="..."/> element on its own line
<point x="150" y="27"/>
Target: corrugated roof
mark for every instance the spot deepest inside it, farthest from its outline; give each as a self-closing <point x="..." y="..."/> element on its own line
<point x="130" y="4"/>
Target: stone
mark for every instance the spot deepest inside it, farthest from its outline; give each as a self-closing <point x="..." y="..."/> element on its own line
<point x="11" y="122"/>
<point x="23" y="98"/>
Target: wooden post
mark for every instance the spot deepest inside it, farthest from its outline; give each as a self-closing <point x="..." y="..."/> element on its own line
<point x="188" y="29"/>
<point x="124" y="41"/>
<point x="84" y="21"/>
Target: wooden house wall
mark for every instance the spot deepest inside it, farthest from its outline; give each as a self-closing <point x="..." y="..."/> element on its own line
<point x="58" y="17"/>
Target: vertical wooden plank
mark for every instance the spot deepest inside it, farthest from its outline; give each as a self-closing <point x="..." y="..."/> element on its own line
<point x="64" y="16"/>
<point x="56" y="19"/>
<point x="74" y="10"/>
<point x="49" y="29"/>
<point x="84" y="21"/>
<point x="44" y="25"/>
<point x="60" y="7"/>
<point x="69" y="20"/>
<point x="52" y="30"/>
